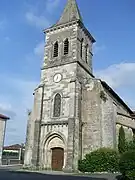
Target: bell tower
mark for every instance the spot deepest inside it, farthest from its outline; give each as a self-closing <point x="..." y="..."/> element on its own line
<point x="68" y="41"/>
<point x="67" y="61"/>
<point x="55" y="121"/>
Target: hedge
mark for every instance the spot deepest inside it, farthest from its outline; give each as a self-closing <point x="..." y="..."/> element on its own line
<point x="101" y="160"/>
<point x="130" y="146"/>
<point x="127" y="165"/>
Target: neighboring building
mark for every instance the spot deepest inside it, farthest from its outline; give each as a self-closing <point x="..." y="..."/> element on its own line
<point x="3" y="120"/>
<point x="13" y="154"/>
<point x="73" y="113"/>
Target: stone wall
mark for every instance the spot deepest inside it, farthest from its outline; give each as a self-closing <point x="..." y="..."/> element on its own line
<point x="108" y="124"/>
<point x="128" y="133"/>
<point x="68" y="73"/>
<point x="100" y="117"/>
<point x="60" y="35"/>
<point x="52" y="135"/>
<point x="86" y="41"/>
<point x="128" y="124"/>
<point x="75" y="34"/>
<point x="91" y="117"/>
<point x="119" y="115"/>
<point x="70" y="110"/>
<point x="32" y="136"/>
<point x="2" y="136"/>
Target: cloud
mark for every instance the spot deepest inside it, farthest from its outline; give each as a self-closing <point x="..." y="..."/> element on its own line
<point x="51" y="4"/>
<point x="40" y="17"/>
<point x="17" y="95"/>
<point x="15" y="105"/>
<point x="17" y="98"/>
<point x="4" y="106"/>
<point x="98" y="48"/>
<point x="6" y="109"/>
<point x="36" y="56"/>
<point x="7" y="38"/>
<point x="121" y="77"/>
<point x="118" y="75"/>
<point x="38" y="21"/>
<point x="2" y="24"/>
<point x="39" y="49"/>
<point x="5" y="103"/>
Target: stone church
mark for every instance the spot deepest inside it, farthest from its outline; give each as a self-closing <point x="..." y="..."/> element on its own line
<point x="73" y="112"/>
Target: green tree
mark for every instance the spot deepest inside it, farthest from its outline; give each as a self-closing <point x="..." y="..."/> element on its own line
<point x="133" y="135"/>
<point x="122" y="140"/>
<point x="127" y="165"/>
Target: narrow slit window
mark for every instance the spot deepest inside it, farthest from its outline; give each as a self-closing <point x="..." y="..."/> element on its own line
<point x="86" y="54"/>
<point x="57" y="105"/>
<point x="81" y="49"/>
<point x="55" y="50"/>
<point x="66" y="47"/>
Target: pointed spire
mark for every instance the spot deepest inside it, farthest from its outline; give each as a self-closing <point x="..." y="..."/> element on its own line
<point x="70" y="13"/>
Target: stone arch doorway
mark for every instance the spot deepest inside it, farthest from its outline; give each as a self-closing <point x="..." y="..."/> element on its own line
<point x="54" y="149"/>
<point x="57" y="158"/>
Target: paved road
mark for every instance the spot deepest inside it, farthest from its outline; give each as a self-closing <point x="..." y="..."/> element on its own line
<point x="10" y="175"/>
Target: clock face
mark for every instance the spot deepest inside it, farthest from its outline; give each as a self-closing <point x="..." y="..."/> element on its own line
<point x="57" y="78"/>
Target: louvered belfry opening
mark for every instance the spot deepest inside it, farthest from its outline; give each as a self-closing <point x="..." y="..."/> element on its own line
<point x="66" y="47"/>
<point x="56" y="49"/>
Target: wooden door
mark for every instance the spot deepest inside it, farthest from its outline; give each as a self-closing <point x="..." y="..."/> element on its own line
<point x="57" y="159"/>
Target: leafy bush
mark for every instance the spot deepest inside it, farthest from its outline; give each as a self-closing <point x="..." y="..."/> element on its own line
<point x="101" y="160"/>
<point x="130" y="146"/>
<point x="127" y="164"/>
<point x="122" y="140"/>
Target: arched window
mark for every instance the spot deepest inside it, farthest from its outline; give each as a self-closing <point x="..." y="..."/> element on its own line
<point x="86" y="54"/>
<point x="55" y="49"/>
<point x="57" y="105"/>
<point x="81" y="49"/>
<point x="66" y="46"/>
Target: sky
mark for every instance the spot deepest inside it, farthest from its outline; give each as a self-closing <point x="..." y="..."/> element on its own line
<point x="112" y="24"/>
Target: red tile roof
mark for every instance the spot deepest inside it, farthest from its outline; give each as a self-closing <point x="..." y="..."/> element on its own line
<point x="3" y="117"/>
<point x="13" y="147"/>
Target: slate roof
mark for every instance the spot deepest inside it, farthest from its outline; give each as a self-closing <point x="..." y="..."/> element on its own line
<point x="71" y="13"/>
<point x="4" y="117"/>
<point x="13" y="147"/>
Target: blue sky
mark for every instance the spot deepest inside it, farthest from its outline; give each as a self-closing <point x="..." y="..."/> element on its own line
<point x="112" y="23"/>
